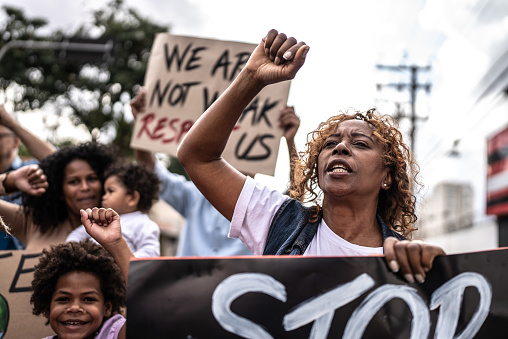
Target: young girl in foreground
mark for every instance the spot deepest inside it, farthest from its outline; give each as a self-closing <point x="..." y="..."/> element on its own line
<point x="80" y="290"/>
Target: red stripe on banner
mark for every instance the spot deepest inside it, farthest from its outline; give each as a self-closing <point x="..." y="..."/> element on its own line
<point x="497" y="141"/>
<point x="498" y="166"/>
<point x="501" y="209"/>
<point x="497" y="194"/>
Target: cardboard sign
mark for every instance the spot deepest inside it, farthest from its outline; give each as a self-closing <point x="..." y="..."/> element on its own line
<point x="317" y="297"/>
<point x="185" y="75"/>
<point x="16" y="318"/>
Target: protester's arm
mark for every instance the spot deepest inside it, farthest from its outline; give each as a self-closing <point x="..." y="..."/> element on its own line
<point x="104" y="226"/>
<point x="277" y="58"/>
<point x="29" y="179"/>
<point x="412" y="258"/>
<point x="36" y="146"/>
<point x="144" y="157"/>
<point x="290" y="122"/>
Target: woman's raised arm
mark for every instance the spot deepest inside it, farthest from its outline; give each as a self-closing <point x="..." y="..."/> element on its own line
<point x="277" y="58"/>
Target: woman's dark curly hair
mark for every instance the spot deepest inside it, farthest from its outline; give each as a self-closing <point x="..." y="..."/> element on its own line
<point x="86" y="256"/>
<point x="136" y="177"/>
<point x="396" y="206"/>
<point x="49" y="209"/>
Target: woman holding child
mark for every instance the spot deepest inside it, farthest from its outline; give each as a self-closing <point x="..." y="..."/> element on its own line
<point x="131" y="190"/>
<point x="75" y="177"/>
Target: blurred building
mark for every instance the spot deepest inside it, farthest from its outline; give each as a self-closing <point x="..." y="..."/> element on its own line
<point x="447" y="218"/>
<point x="493" y="93"/>
<point x="469" y="106"/>
<point x="448" y="209"/>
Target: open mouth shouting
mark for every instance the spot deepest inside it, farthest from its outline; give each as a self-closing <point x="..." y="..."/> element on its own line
<point x="339" y="166"/>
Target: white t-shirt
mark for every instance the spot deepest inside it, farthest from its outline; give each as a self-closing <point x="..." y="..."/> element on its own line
<point x="254" y="211"/>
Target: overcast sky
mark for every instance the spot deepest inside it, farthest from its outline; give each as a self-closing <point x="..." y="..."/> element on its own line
<point x="460" y="39"/>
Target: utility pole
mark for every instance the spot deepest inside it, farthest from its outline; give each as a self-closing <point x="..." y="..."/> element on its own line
<point x="413" y="87"/>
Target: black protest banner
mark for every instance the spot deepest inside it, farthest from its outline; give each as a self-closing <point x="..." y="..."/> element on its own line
<point x="464" y="296"/>
<point x="16" y="318"/>
<point x="185" y="75"/>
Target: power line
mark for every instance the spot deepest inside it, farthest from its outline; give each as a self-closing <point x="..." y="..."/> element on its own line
<point x="413" y="86"/>
<point x="479" y="115"/>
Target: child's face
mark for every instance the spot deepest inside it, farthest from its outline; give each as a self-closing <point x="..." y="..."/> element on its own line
<point x="116" y="196"/>
<point x="77" y="307"/>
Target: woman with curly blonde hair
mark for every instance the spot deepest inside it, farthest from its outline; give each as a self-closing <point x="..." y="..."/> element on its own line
<point x="357" y="161"/>
<point x="396" y="205"/>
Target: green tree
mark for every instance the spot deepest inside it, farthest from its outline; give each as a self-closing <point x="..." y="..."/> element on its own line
<point x="97" y="92"/>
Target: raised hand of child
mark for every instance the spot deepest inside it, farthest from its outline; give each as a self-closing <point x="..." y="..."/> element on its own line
<point x="103" y="225"/>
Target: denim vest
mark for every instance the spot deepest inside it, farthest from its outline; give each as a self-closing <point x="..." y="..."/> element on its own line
<point x="291" y="232"/>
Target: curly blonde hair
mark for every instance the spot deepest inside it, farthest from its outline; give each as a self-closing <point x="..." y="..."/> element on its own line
<point x="396" y="206"/>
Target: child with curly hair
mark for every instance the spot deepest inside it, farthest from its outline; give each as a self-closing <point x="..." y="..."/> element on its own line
<point x="80" y="290"/>
<point x="130" y="189"/>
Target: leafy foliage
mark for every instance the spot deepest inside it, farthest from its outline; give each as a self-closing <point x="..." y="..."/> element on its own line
<point x="96" y="90"/>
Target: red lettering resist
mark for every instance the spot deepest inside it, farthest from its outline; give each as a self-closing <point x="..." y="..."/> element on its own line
<point x="168" y="130"/>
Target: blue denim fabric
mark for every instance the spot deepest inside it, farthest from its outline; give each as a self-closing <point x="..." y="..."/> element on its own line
<point x="291" y="232"/>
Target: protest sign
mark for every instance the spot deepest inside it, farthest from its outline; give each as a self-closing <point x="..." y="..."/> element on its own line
<point x="184" y="76"/>
<point x="16" y="318"/>
<point x="464" y="296"/>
